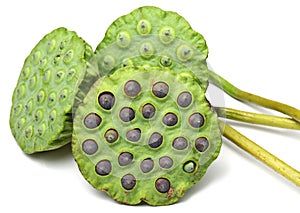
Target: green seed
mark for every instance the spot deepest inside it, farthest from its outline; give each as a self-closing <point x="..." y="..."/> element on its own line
<point x="143" y="27"/>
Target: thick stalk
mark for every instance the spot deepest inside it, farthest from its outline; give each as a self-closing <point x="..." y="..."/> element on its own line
<point x="248" y="97"/>
<point x="254" y="118"/>
<point x="261" y="154"/>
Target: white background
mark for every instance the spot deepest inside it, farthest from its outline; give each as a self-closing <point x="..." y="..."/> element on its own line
<point x="254" y="44"/>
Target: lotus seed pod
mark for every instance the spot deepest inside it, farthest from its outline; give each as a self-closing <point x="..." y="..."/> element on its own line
<point x="145" y="147"/>
<point x="41" y="111"/>
<point x="149" y="35"/>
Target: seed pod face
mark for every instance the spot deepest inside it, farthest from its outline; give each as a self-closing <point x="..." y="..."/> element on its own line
<point x="149" y="157"/>
<point x="149" y="35"/>
<point x="41" y="111"/>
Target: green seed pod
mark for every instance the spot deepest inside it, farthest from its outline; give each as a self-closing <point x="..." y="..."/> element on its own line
<point x="145" y="135"/>
<point x="149" y="35"/>
<point x="41" y="111"/>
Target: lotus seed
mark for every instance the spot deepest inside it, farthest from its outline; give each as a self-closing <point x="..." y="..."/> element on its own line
<point x="143" y="27"/>
<point x="155" y="140"/>
<point x="132" y="88"/>
<point x="92" y="120"/>
<point x="123" y="39"/>
<point x="108" y="62"/>
<point x="103" y="167"/>
<point x="128" y="181"/>
<point x="189" y="167"/>
<point x="125" y="158"/>
<point x="133" y="135"/>
<point x="148" y="111"/>
<point x="89" y="146"/>
<point x="165" y="162"/>
<point x="184" y="99"/>
<point x="162" y="185"/>
<point x="111" y="135"/>
<point x="196" y="120"/>
<point x="160" y="89"/>
<point x="180" y="143"/>
<point x="146" y="50"/>
<point x="147" y="165"/>
<point x="201" y="144"/>
<point x="170" y="119"/>
<point x="184" y="53"/>
<point x="106" y="100"/>
<point x="127" y="114"/>
<point x="166" y="61"/>
<point x="166" y="35"/>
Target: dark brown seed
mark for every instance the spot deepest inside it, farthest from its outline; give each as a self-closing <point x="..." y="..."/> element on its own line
<point x="92" y="120"/>
<point x="106" y="100"/>
<point x="196" y="120"/>
<point x="125" y="158"/>
<point x="111" y="135"/>
<point x="127" y="114"/>
<point x="133" y="135"/>
<point x="162" y="185"/>
<point x="180" y="143"/>
<point x="165" y="162"/>
<point x="160" y="89"/>
<point x="184" y="99"/>
<point x="103" y="167"/>
<point x="148" y="111"/>
<point x="155" y="140"/>
<point x="128" y="181"/>
<point x="147" y="165"/>
<point x="201" y="144"/>
<point x="132" y="88"/>
<point x="89" y="146"/>
<point x="170" y="119"/>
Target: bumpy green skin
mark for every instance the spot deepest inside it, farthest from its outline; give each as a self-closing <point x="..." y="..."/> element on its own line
<point x="144" y="190"/>
<point x="146" y="27"/>
<point x="41" y="111"/>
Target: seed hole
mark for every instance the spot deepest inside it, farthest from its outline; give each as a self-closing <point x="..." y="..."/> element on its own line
<point x="189" y="166"/>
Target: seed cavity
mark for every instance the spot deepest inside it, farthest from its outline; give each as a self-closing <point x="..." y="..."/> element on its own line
<point x="40" y="97"/>
<point x="32" y="82"/>
<point x="42" y="63"/>
<point x="123" y="39"/>
<point x="52" y="116"/>
<point x="155" y="140"/>
<point x="70" y="74"/>
<point x="90" y="146"/>
<point x="128" y="181"/>
<point x="26" y="72"/>
<point x="196" y="120"/>
<point x="92" y="120"/>
<point x="125" y="158"/>
<point x="165" y="162"/>
<point x="166" y="35"/>
<point x="29" y="132"/>
<point x="41" y="129"/>
<point x="132" y="88"/>
<point x="59" y="76"/>
<point x="46" y="76"/>
<point x="143" y="27"/>
<point x="51" y="46"/>
<point x="28" y="106"/>
<point x="126" y="63"/>
<point x="127" y="114"/>
<point x="56" y="59"/>
<point x="148" y="111"/>
<point x="106" y="100"/>
<point x="36" y="57"/>
<point x="189" y="166"/>
<point x="166" y="61"/>
<point x="133" y="135"/>
<point x="162" y="185"/>
<point x="103" y="167"/>
<point x="68" y="56"/>
<point x="52" y="99"/>
<point x="180" y="143"/>
<point x="160" y="89"/>
<point x="108" y="62"/>
<point x="63" y="94"/>
<point x="184" y="53"/>
<point x="184" y="99"/>
<point x="170" y="119"/>
<point x="38" y="115"/>
<point x="201" y="144"/>
<point x="111" y="135"/>
<point x="147" y="165"/>
<point x="146" y="50"/>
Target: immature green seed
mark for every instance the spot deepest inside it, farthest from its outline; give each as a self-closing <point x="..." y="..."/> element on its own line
<point x="63" y="94"/>
<point x="21" y="123"/>
<point x="28" y="106"/>
<point x="167" y="35"/>
<point x="52" y="116"/>
<point x="146" y="50"/>
<point x="18" y="109"/>
<point x="189" y="167"/>
<point x="143" y="27"/>
<point x="126" y="63"/>
<point x="184" y="53"/>
<point x="108" y="62"/>
<point x="71" y="73"/>
<point x="123" y="39"/>
<point x="166" y="61"/>
<point x="21" y="91"/>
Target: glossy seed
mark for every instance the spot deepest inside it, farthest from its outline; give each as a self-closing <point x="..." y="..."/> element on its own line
<point x="89" y="146"/>
<point x="125" y="158"/>
<point x="196" y="120"/>
<point x="180" y="143"/>
<point x="160" y="89"/>
<point x="92" y="120"/>
<point x="148" y="111"/>
<point x="133" y="135"/>
<point x="127" y="114"/>
<point x="111" y="135"/>
<point x="162" y="185"/>
<point x="166" y="35"/>
<point x="170" y="119"/>
<point x="165" y="162"/>
<point x="128" y="181"/>
<point x="189" y="167"/>
<point x="106" y="100"/>
<point x="201" y="144"/>
<point x="103" y="167"/>
<point x="147" y="165"/>
<point x="143" y="27"/>
<point x="155" y="140"/>
<point x="184" y="99"/>
<point x="132" y="88"/>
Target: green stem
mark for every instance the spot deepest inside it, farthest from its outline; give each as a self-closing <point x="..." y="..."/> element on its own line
<point x="248" y="97"/>
<point x="260" y="153"/>
<point x="254" y="118"/>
